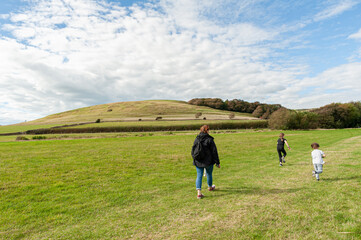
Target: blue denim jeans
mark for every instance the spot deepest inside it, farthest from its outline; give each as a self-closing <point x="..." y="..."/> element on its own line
<point x="200" y="171"/>
<point x="318" y="170"/>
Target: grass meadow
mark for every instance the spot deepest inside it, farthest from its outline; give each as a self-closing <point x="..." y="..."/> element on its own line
<point x="23" y="128"/>
<point x="146" y="110"/>
<point x="144" y="188"/>
<point x="154" y="126"/>
<point x="163" y="123"/>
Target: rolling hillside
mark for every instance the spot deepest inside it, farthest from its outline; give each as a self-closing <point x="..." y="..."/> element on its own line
<point x="133" y="111"/>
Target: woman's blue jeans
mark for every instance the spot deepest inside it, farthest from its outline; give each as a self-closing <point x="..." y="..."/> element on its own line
<point x="200" y="171"/>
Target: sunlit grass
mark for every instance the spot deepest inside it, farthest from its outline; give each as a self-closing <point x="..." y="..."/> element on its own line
<point x="134" y="110"/>
<point x="143" y="188"/>
<point x="23" y="128"/>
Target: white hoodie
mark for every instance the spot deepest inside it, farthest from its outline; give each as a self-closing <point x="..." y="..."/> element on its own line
<point x="317" y="157"/>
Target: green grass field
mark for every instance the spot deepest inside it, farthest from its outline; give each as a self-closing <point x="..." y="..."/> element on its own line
<point x="144" y="188"/>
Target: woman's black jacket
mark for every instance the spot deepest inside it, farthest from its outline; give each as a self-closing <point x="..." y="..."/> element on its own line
<point x="210" y="150"/>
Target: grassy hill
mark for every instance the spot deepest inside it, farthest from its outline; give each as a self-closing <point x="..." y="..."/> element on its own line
<point x="128" y="111"/>
<point x="125" y="116"/>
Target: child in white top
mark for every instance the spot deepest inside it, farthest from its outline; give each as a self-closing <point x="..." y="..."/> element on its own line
<point x="317" y="160"/>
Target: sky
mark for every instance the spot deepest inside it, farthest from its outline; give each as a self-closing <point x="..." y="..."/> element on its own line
<point x="58" y="55"/>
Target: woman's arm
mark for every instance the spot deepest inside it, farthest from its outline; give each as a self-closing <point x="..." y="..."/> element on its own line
<point x="214" y="153"/>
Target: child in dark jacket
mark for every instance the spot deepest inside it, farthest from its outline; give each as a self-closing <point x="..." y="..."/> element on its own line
<point x="281" y="148"/>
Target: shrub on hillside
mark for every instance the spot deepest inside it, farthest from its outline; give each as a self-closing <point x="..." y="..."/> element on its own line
<point x="302" y="120"/>
<point x="231" y="115"/>
<point x="286" y="119"/>
<point x="236" y="105"/>
<point x="198" y="114"/>
<point x="38" y="137"/>
<point x="158" y="118"/>
<point x="337" y="115"/>
<point x="266" y="114"/>
<point x="216" y="103"/>
<point x="258" y="112"/>
<point x="264" y="111"/>
<point x="21" y="138"/>
<point x="357" y="105"/>
<point x="279" y="118"/>
<point x="196" y="101"/>
<point x="97" y="121"/>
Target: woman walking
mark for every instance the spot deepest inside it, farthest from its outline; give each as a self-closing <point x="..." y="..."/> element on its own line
<point x="205" y="155"/>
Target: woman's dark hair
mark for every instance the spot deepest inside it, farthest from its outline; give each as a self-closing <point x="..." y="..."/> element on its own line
<point x="313" y="145"/>
<point x="282" y="134"/>
<point x="204" y="129"/>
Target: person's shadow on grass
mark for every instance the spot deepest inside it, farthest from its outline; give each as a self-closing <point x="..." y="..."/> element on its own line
<point x="253" y="191"/>
<point x="341" y="178"/>
<point x="297" y="163"/>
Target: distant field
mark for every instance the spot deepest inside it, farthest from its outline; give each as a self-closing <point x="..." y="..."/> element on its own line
<point x="12" y="138"/>
<point x="153" y="127"/>
<point x="137" y="126"/>
<point x="146" y="110"/>
<point x="160" y="123"/>
<point x="23" y="128"/>
<point x="143" y="188"/>
<point x="95" y="135"/>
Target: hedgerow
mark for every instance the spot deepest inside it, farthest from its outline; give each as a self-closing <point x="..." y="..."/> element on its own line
<point x="213" y="126"/>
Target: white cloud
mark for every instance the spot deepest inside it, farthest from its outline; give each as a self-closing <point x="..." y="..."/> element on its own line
<point x="73" y="53"/>
<point x="4" y="16"/>
<point x="356" y="35"/>
<point x="104" y="53"/>
<point x="335" y="9"/>
<point x="338" y="84"/>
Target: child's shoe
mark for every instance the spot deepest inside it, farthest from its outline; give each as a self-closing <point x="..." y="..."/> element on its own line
<point x="281" y="165"/>
<point x="212" y="188"/>
<point x="200" y="196"/>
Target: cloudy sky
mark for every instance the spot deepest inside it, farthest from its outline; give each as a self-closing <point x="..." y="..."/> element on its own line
<point x="57" y="55"/>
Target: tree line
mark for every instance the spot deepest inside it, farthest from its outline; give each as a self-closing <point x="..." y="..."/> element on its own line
<point x="257" y="109"/>
<point x="334" y="115"/>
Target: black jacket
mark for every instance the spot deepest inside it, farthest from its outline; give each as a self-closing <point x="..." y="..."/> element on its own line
<point x="211" y="154"/>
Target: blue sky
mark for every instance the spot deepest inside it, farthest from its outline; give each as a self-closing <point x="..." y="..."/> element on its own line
<point x="64" y="54"/>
